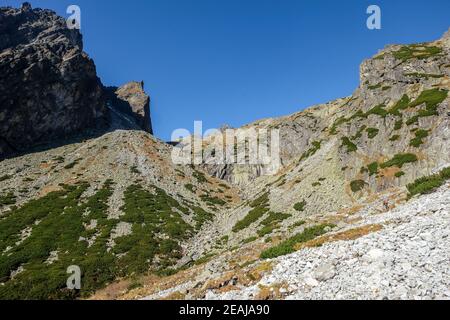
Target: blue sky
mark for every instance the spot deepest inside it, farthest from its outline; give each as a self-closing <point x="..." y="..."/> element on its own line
<point x="236" y="61"/>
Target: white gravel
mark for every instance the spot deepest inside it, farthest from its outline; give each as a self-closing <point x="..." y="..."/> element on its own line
<point x="408" y="259"/>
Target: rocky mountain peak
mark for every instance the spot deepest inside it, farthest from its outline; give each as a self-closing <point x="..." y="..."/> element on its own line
<point x="49" y="87"/>
<point x="131" y="99"/>
<point x="26" y="6"/>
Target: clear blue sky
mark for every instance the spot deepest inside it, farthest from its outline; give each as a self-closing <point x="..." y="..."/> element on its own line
<point x="236" y="61"/>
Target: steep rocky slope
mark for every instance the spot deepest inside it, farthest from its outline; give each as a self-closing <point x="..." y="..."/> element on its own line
<point x="113" y="205"/>
<point x="344" y="163"/>
<point x="48" y="88"/>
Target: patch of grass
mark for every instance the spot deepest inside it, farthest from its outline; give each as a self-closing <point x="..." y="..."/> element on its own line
<point x="372" y="132"/>
<point x="272" y="222"/>
<point x="417" y="51"/>
<point x="248" y="240"/>
<point x="300" y="206"/>
<point x="398" y="124"/>
<point x="212" y="200"/>
<point x="297" y="224"/>
<point x="375" y="86"/>
<point x="336" y="124"/>
<point x="190" y="187"/>
<point x="287" y="246"/>
<point x="418" y="140"/>
<point x="359" y="133"/>
<point x="357" y="185"/>
<point x="394" y="137"/>
<point x="424" y="75"/>
<point x="399" y="174"/>
<point x="253" y="216"/>
<point x="373" y="168"/>
<point x="7" y="199"/>
<point x="402" y="104"/>
<point x="72" y="164"/>
<point x="351" y="147"/>
<point x="315" y="147"/>
<point x="431" y="98"/>
<point x="201" y="216"/>
<point x="200" y="176"/>
<point x="428" y="184"/>
<point x="260" y="208"/>
<point x="206" y="258"/>
<point x="399" y="160"/>
<point x="377" y="110"/>
<point x="260" y="201"/>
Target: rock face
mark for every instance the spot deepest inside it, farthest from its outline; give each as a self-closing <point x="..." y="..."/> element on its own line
<point x="48" y="87"/>
<point x="131" y="99"/>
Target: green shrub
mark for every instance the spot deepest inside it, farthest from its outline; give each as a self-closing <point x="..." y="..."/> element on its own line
<point x="200" y="176"/>
<point x="315" y="147"/>
<point x="432" y="98"/>
<point x="72" y="164"/>
<point x="206" y="258"/>
<point x="300" y="206"/>
<point x="428" y="184"/>
<point x="394" y="137"/>
<point x="418" y="140"/>
<point x="424" y="75"/>
<point x="212" y="200"/>
<point x="399" y="160"/>
<point x="372" y="132"/>
<point x="398" y="124"/>
<point x="357" y="185"/>
<point x="373" y="168"/>
<point x="377" y="110"/>
<point x="375" y="86"/>
<point x="254" y="215"/>
<point x="287" y="246"/>
<point x="248" y="240"/>
<point x="190" y="187"/>
<point x="272" y="222"/>
<point x="260" y="201"/>
<point x="359" y="133"/>
<point x="399" y="174"/>
<point x="7" y="199"/>
<point x="402" y="104"/>
<point x="351" y="147"/>
<point x="416" y="52"/>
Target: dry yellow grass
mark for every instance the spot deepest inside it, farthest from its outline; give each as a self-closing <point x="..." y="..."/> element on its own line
<point x="271" y="293"/>
<point x="351" y="234"/>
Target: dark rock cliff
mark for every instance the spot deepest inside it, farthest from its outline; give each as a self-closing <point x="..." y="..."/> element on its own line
<point x="49" y="88"/>
<point x="131" y="99"/>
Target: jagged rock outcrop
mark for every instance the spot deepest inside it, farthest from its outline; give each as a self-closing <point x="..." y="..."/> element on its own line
<point x="49" y="88"/>
<point x="131" y="99"/>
